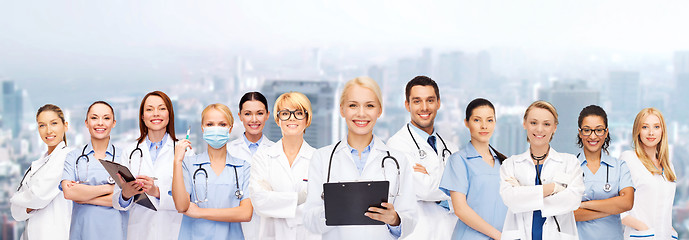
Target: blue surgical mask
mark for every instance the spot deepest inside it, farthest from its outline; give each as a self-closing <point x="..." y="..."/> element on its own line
<point x="216" y="137"/>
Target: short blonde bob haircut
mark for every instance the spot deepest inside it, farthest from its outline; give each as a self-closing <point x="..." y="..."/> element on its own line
<point x="543" y="105"/>
<point x="365" y="82"/>
<point x="220" y="107"/>
<point x="296" y="100"/>
<point x="662" y="149"/>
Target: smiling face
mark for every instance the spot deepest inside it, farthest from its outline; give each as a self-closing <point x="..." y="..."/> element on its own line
<point x="253" y="117"/>
<point x="651" y="131"/>
<point x="593" y="143"/>
<point x="481" y="124"/>
<point x="292" y="126"/>
<point x="100" y="120"/>
<point x="156" y="114"/>
<point x="51" y="128"/>
<point x="361" y="109"/>
<point x="423" y="105"/>
<point x="540" y="126"/>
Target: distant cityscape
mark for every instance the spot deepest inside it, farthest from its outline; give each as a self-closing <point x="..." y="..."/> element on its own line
<point x="462" y="76"/>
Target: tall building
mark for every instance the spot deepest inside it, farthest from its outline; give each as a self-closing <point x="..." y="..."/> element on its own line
<point x="681" y="87"/>
<point x="484" y="74"/>
<point x="624" y="96"/>
<point x="510" y="137"/>
<point x="12" y="107"/>
<point x="568" y="98"/>
<point x="450" y="69"/>
<point x="325" y="114"/>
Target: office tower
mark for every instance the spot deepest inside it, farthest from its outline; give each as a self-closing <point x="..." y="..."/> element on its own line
<point x="12" y="107"/>
<point x="450" y="69"/>
<point x="484" y="74"/>
<point x="624" y="96"/>
<point x="510" y="137"/>
<point x="322" y="95"/>
<point x="681" y="91"/>
<point x="568" y="98"/>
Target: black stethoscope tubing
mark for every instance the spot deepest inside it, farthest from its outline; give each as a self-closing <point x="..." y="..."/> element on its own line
<point x="83" y="154"/>
<point x="382" y="165"/>
<point x="607" y="187"/>
<point x="422" y="153"/>
<point x="238" y="193"/>
<point x="141" y="154"/>
<point x="34" y="173"/>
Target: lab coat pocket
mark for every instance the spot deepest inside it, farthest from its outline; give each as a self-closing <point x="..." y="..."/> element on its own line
<point x="643" y="235"/>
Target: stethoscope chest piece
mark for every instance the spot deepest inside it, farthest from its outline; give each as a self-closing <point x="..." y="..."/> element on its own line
<point x="239" y="194"/>
<point x="422" y="154"/>
<point x="607" y="187"/>
<point x="111" y="180"/>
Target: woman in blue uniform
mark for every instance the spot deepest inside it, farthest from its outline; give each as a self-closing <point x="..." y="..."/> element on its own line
<point x="86" y="182"/>
<point x="211" y="188"/>
<point x="609" y="187"/>
<point x="472" y="178"/>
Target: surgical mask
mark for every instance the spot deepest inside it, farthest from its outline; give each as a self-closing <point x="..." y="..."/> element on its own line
<point x="216" y="137"/>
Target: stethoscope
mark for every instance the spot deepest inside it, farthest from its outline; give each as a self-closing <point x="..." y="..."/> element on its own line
<point x="141" y="155"/>
<point x="34" y="173"/>
<point x="607" y="187"/>
<point x="422" y="153"/>
<point x="382" y="165"/>
<point x="83" y="154"/>
<point x="239" y="193"/>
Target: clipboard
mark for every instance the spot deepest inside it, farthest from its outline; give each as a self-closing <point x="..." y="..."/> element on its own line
<point x="346" y="202"/>
<point x="114" y="168"/>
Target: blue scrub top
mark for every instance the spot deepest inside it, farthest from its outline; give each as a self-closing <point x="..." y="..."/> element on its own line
<point x="609" y="227"/>
<point x="92" y="221"/>
<point x="221" y="194"/>
<point x="466" y="172"/>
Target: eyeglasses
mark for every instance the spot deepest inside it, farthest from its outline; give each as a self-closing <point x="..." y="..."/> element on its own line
<point x="598" y="131"/>
<point x="285" y="115"/>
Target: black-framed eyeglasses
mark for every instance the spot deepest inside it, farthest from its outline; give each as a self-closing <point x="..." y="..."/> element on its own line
<point x="285" y="114"/>
<point x="598" y="131"/>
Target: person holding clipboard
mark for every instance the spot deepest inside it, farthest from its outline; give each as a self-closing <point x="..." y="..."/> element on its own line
<point x="149" y="158"/>
<point x="360" y="157"/>
<point x="211" y="188"/>
<point x="86" y="182"/>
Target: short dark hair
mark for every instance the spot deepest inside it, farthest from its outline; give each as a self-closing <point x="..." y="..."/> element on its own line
<point x="250" y="96"/>
<point x="594" y="110"/>
<point x="421" y="81"/>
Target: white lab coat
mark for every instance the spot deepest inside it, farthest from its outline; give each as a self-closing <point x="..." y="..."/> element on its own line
<point x="344" y="170"/>
<point x="239" y="149"/>
<point x="522" y="200"/>
<point x="653" y="200"/>
<point x="435" y="222"/>
<point x="52" y="217"/>
<point x="281" y="217"/>
<point x="145" y="223"/>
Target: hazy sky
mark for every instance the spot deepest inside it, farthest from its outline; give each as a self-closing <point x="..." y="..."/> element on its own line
<point x="129" y="41"/>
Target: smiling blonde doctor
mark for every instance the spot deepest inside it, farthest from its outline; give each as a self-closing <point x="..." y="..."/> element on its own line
<point x="428" y="151"/>
<point x="541" y="187"/>
<point x="358" y="157"/>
